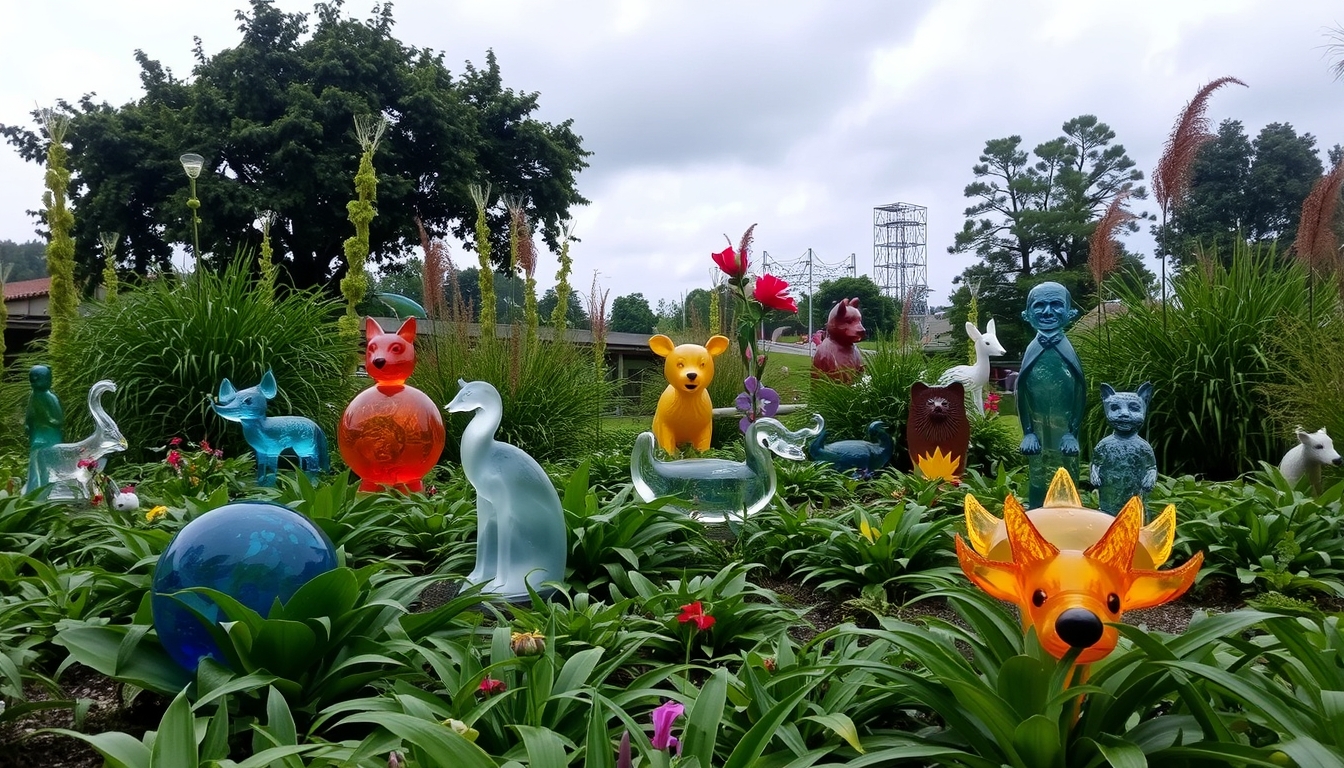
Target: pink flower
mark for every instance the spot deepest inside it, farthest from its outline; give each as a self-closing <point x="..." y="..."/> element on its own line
<point x="696" y="612"/>
<point x="86" y="463"/>
<point x="217" y="453"/>
<point x="205" y="447"/>
<point x="729" y="262"/>
<point x="772" y="293"/>
<point x="174" y="459"/>
<point x="128" y="489"/>
<point x="176" y="441"/>
<point x="663" y="717"/>
<point x="490" y="686"/>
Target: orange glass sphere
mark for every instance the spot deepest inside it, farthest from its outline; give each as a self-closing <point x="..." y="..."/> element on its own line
<point x="391" y="436"/>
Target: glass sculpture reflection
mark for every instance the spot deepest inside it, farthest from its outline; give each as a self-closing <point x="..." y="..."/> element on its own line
<point x="256" y="552"/>
<point x="1073" y="571"/>
<point x="269" y="437"/>
<point x="1123" y="464"/>
<point x="714" y="490"/>
<point x="520" y="526"/>
<point x="43" y="421"/>
<point x="66" y="469"/>
<point x="1051" y="391"/>
<point x="391" y="434"/>
<point x="856" y="457"/>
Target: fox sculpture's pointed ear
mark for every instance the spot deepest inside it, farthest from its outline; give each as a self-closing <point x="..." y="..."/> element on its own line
<point x="1150" y="588"/>
<point x="1028" y="544"/>
<point x="268" y="386"/>
<point x="372" y="328"/>
<point x="1115" y="548"/>
<point x="1161" y="534"/>
<point x="226" y="390"/>
<point x="407" y="330"/>
<point x="1000" y="580"/>
<point x="980" y="525"/>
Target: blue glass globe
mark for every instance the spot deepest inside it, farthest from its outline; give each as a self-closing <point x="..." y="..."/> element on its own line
<point x="253" y="551"/>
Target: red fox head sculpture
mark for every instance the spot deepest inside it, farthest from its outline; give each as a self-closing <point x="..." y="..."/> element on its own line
<point x="389" y="358"/>
<point x="1070" y="595"/>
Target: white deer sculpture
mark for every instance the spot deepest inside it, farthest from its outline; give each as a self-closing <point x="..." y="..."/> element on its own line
<point x="58" y="465"/>
<point x="975" y="377"/>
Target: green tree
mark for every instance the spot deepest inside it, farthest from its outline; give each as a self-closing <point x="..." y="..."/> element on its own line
<point x="575" y="316"/>
<point x="273" y="118"/>
<point x="631" y="314"/>
<point x="27" y="261"/>
<point x="880" y="313"/>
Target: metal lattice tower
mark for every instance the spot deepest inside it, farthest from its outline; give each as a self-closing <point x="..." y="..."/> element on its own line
<point x="900" y="254"/>
<point x="806" y="272"/>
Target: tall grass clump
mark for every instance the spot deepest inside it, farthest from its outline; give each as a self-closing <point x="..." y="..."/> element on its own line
<point x="169" y="343"/>
<point x="1309" y="390"/>
<point x="1208" y="362"/>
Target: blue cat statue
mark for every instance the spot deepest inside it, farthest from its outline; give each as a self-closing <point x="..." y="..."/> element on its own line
<point x="1123" y="464"/>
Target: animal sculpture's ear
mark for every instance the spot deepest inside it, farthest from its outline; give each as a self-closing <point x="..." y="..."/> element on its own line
<point x="1001" y="580"/>
<point x="716" y="345"/>
<point x="1107" y="391"/>
<point x="854" y="303"/>
<point x="1146" y="392"/>
<point x="267" y="387"/>
<point x="1161" y="533"/>
<point x="1116" y="547"/>
<point x="917" y="390"/>
<point x="1150" y="588"/>
<point x="990" y="329"/>
<point x="661" y="345"/>
<point x="1062" y="492"/>
<point x="1028" y="544"/>
<point x="956" y="390"/>
<point x="226" y="390"/>
<point x="972" y="331"/>
<point x="407" y="330"/>
<point x="1305" y="438"/>
<point x="980" y="525"/>
<point x="371" y="327"/>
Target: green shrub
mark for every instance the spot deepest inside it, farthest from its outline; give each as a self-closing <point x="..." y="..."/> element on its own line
<point x="994" y="443"/>
<point x="1208" y="361"/>
<point x="1308" y="390"/>
<point x="168" y="344"/>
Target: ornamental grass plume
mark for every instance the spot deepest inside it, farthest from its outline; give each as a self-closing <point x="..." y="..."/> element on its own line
<point x="432" y="272"/>
<point x="1316" y="245"/>
<point x="1103" y="249"/>
<point x="560" y="315"/>
<point x="480" y="195"/>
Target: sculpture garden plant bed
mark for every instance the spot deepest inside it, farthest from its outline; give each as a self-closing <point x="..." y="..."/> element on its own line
<point x="834" y="620"/>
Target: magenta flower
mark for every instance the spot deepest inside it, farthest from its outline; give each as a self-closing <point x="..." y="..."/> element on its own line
<point x="663" y="717"/>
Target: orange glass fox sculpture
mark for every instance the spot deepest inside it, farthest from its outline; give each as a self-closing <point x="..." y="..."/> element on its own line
<point x="391" y="433"/>
<point x="1072" y="570"/>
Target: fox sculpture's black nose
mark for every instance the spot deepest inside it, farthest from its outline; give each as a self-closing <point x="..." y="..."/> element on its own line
<point x="1078" y="627"/>
<point x="379" y="362"/>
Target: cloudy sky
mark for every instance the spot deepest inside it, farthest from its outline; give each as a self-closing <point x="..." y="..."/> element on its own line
<point x="706" y="117"/>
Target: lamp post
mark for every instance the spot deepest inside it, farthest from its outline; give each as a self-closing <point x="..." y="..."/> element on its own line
<point x="192" y="164"/>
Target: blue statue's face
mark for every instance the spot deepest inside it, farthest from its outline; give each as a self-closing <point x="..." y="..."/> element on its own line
<point x="1049" y="308"/>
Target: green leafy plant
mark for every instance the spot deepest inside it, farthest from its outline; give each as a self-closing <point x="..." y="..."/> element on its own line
<point x="904" y="546"/>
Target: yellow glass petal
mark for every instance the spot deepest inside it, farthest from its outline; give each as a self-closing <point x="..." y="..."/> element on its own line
<point x="1161" y="534"/>
<point x="1000" y="580"/>
<point x="1062" y="492"/>
<point x="1115" y="549"/>
<point x="939" y="465"/>
<point x="1150" y="588"/>
<point x="980" y="525"/>
<point x="1027" y="543"/>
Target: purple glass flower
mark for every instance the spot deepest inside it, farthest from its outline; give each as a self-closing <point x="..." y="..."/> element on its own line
<point x="663" y="718"/>
<point x="755" y="402"/>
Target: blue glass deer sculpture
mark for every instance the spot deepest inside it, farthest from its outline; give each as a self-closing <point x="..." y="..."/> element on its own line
<point x="270" y="436"/>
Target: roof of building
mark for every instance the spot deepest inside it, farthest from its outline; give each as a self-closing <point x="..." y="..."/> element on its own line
<point x="27" y="289"/>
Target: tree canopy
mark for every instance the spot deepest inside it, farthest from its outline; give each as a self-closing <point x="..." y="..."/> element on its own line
<point x="632" y="314"/>
<point x="274" y="118"/>
<point x="575" y="315"/>
<point x="25" y="261"/>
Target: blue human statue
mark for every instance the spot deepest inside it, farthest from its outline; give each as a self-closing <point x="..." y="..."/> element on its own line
<point x="270" y="436"/>
<point x="1123" y="464"/>
<point x="44" y="421"/>
<point x="521" y="539"/>
<point x="1051" y="391"/>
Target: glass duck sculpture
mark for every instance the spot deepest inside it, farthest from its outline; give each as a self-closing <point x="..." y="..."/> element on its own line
<point x="857" y="457"/>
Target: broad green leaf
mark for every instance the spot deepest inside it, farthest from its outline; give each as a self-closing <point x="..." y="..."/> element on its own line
<point x="841" y="725"/>
<point x="702" y="729"/>
<point x="120" y="750"/>
<point x="1037" y="742"/>
<point x="441" y="745"/>
<point x="175" y="742"/>
<point x="544" y="748"/>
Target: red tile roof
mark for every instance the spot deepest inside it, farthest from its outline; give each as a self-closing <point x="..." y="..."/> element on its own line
<point x="27" y="289"/>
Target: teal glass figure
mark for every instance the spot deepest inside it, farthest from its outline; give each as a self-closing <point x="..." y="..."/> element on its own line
<point x="271" y="436"/>
<point x="1123" y="464"/>
<point x="521" y="539"/>
<point x="860" y="458"/>
<point x="256" y="552"/>
<point x="1051" y="391"/>
<point x="43" y="421"/>
<point x="66" y="470"/>
<point x="715" y="490"/>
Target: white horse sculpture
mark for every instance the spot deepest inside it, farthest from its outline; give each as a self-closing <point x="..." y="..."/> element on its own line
<point x="1313" y="451"/>
<point x="975" y="377"/>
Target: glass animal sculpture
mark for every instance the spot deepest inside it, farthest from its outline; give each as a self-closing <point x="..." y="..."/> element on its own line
<point x="1051" y="390"/>
<point x="58" y="467"/>
<point x="391" y="434"/>
<point x="975" y="377"/>
<point x="714" y="490"/>
<point x="857" y="457"/>
<point x="1123" y="464"/>
<point x="937" y="432"/>
<point x="256" y="552"/>
<point x="1071" y="570"/>
<point x="269" y="437"/>
<point x="685" y="413"/>
<point x="1313" y="451"/>
<point x="43" y="422"/>
<point x="521" y="539"/>
<point x="837" y="355"/>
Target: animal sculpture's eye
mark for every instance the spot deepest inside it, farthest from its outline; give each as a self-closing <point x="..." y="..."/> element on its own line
<point x="247" y="401"/>
<point x="1320" y="447"/>
<point x="1113" y="603"/>
<point x="373" y="346"/>
<point x="681" y="365"/>
<point x="397" y="349"/>
<point x="1038" y="598"/>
